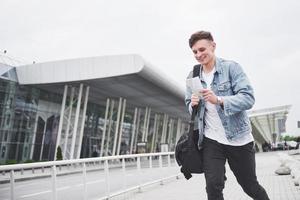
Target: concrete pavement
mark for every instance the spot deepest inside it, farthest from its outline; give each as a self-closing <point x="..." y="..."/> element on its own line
<point x="277" y="187"/>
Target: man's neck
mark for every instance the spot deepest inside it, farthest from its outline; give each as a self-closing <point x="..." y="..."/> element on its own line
<point x="209" y="66"/>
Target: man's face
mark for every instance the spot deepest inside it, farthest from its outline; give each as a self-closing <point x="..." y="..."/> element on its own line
<point x="204" y="51"/>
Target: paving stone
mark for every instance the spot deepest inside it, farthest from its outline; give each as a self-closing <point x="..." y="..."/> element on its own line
<point x="277" y="187"/>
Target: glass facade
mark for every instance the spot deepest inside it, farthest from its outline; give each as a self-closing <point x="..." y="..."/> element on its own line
<point x="21" y="129"/>
<point x="30" y="117"/>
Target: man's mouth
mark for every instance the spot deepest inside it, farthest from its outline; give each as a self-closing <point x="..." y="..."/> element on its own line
<point x="201" y="59"/>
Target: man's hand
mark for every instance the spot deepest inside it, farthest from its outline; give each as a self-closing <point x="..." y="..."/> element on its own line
<point x="209" y="96"/>
<point x="194" y="100"/>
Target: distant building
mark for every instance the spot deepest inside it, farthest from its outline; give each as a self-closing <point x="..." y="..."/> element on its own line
<point x="268" y="124"/>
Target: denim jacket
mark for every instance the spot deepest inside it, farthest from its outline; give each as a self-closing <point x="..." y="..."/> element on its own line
<point x="232" y="84"/>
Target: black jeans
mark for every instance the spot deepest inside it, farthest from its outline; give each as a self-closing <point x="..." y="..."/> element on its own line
<point x="241" y="160"/>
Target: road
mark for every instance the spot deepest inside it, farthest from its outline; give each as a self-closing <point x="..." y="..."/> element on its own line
<point x="71" y="187"/>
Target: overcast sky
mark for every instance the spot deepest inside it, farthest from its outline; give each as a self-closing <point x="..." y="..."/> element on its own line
<point x="262" y="35"/>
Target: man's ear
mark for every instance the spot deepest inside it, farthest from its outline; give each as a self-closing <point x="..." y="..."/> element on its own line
<point x="214" y="45"/>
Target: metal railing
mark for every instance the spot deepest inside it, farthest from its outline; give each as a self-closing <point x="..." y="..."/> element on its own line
<point x="82" y="166"/>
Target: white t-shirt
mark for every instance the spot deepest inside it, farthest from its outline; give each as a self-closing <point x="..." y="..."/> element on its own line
<point x="213" y="124"/>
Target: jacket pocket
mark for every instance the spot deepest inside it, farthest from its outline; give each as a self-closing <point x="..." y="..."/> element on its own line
<point x="224" y="88"/>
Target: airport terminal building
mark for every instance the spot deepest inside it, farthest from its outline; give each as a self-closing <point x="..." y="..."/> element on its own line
<point x="98" y="106"/>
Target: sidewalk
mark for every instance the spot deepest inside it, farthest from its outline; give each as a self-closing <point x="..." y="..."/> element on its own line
<point x="277" y="187"/>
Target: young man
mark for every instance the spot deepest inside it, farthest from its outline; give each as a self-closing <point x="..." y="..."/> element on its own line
<point x="222" y="118"/>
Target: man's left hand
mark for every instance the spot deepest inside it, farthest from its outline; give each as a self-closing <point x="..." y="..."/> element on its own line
<point x="209" y="96"/>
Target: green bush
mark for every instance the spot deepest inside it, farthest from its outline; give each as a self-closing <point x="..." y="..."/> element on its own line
<point x="29" y="161"/>
<point x="59" y="154"/>
<point x="290" y="138"/>
<point x="11" y="162"/>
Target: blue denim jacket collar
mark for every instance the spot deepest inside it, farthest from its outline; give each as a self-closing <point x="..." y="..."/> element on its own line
<point x="218" y="68"/>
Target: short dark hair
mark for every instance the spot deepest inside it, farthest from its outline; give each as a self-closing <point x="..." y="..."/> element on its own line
<point x="200" y="35"/>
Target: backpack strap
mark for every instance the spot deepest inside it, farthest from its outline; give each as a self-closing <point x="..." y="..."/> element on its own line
<point x="196" y="70"/>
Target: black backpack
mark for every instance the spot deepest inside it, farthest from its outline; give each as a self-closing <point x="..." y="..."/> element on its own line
<point x="187" y="153"/>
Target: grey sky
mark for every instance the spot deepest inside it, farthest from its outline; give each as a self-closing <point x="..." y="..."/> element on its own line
<point x="263" y="36"/>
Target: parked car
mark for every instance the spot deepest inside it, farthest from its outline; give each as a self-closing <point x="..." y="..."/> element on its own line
<point x="292" y="144"/>
<point x="286" y="145"/>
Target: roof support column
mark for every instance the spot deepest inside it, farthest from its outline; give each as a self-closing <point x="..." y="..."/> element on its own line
<point x="147" y="124"/>
<point x="104" y="127"/>
<point x="109" y="126"/>
<point x="269" y="126"/>
<point x="144" y="126"/>
<point x="61" y="119"/>
<point x="276" y="128"/>
<point x="43" y="140"/>
<point x="164" y="131"/>
<point x="154" y="134"/>
<point x="137" y="130"/>
<point x="178" y="133"/>
<point x="76" y="122"/>
<point x="133" y="130"/>
<point x="68" y="124"/>
<point x="34" y="136"/>
<point x="117" y="127"/>
<point x="171" y="133"/>
<point x="182" y="128"/>
<point x="121" y="127"/>
<point x="83" y="121"/>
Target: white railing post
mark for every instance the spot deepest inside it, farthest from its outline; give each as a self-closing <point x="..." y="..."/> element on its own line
<point x="12" y="185"/>
<point x="160" y="161"/>
<point x="106" y="169"/>
<point x="124" y="173"/>
<point x="138" y="164"/>
<point x="150" y="162"/>
<point x="84" y="182"/>
<point x="53" y="174"/>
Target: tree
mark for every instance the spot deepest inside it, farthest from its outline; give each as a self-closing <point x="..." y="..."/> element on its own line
<point x="290" y="138"/>
<point x="59" y="154"/>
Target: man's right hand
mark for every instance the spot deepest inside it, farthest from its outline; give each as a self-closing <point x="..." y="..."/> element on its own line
<point x="194" y="100"/>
